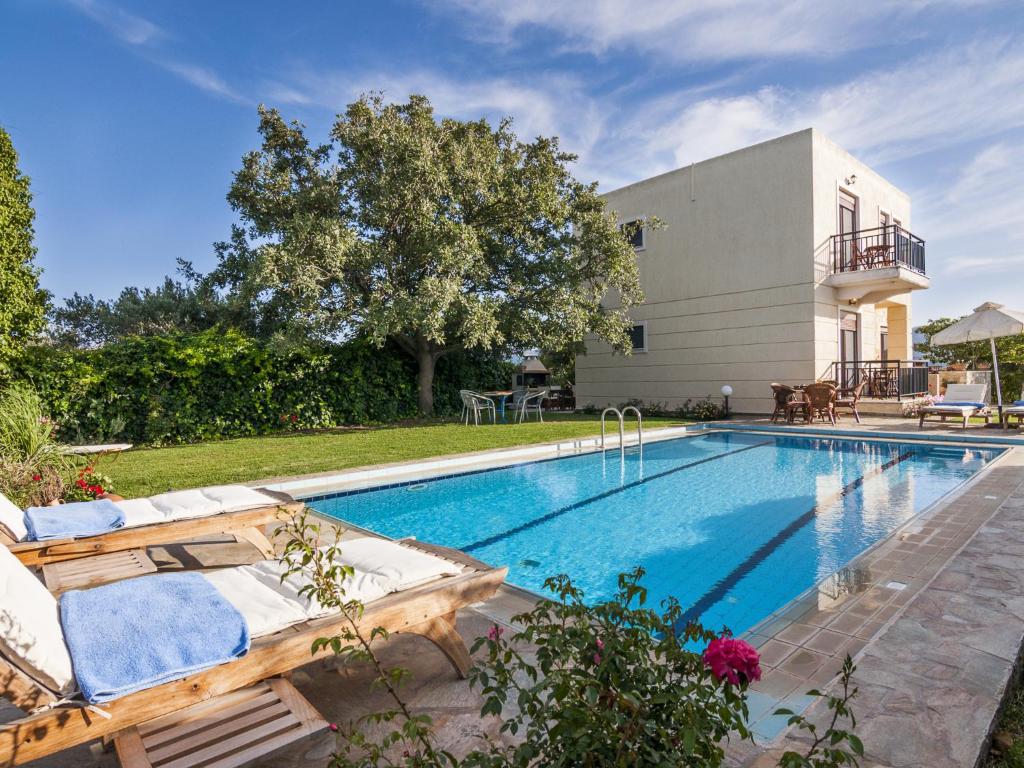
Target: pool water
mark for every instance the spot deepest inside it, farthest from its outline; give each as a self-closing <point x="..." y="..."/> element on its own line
<point x="733" y="524"/>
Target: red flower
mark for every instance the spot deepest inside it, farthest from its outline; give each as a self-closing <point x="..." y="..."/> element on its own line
<point x="294" y="418"/>
<point x="37" y="478"/>
<point x="333" y="727"/>
<point x="88" y="469"/>
<point x="81" y="483"/>
<point x="733" y="660"/>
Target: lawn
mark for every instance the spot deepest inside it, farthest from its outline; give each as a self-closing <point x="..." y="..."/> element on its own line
<point x="153" y="470"/>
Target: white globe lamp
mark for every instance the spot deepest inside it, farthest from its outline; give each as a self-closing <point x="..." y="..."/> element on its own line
<point x="726" y="392"/>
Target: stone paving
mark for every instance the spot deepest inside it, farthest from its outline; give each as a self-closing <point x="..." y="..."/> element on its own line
<point x="934" y="617"/>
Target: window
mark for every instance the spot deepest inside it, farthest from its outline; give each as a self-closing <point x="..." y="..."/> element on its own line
<point x="638" y="336"/>
<point x="883" y="344"/>
<point x="634" y="232"/>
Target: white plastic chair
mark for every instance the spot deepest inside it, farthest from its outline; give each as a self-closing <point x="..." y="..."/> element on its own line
<point x="531" y="402"/>
<point x="474" y="403"/>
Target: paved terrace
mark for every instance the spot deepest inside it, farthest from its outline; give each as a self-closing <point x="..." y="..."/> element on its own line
<point x="934" y="617"/>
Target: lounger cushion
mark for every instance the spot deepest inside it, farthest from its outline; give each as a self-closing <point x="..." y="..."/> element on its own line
<point x="270" y="604"/>
<point x="30" y="630"/>
<point x="12" y="519"/>
<point x="203" y="502"/>
<point x="403" y="566"/>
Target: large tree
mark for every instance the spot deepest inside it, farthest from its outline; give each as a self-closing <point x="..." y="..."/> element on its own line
<point x="22" y="302"/>
<point x="439" y="234"/>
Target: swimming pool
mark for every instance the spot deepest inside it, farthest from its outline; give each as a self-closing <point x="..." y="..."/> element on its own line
<point x="733" y="524"/>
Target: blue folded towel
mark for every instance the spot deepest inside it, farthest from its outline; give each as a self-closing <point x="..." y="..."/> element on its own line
<point x="1017" y="404"/>
<point x="962" y="404"/>
<point x="135" y="634"/>
<point x="82" y="518"/>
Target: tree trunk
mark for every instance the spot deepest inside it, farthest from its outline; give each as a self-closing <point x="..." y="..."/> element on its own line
<point x="425" y="379"/>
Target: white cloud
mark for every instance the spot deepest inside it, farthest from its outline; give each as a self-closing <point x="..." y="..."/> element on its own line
<point x="700" y="30"/>
<point x="130" y="28"/>
<point x="203" y="78"/>
<point x="991" y="265"/>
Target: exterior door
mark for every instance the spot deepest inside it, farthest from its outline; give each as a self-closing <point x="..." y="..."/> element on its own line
<point x="847" y="227"/>
<point x="848" y="349"/>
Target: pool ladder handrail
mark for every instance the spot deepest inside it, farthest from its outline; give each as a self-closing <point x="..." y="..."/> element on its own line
<point x="621" y="415"/>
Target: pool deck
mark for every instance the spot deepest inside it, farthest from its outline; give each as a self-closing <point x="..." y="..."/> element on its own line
<point x="934" y="617"/>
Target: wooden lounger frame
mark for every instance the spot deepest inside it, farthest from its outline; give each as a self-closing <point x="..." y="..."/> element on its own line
<point x="247" y="524"/>
<point x="427" y="610"/>
<point x="945" y="413"/>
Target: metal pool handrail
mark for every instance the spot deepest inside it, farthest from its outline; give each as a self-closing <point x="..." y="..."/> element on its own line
<point x="621" y="417"/>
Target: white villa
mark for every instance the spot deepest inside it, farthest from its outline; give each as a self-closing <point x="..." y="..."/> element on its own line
<point x="788" y="261"/>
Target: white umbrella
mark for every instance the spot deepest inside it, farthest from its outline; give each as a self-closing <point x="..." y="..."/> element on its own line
<point x="989" y="321"/>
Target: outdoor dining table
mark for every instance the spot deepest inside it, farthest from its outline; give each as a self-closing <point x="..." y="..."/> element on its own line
<point x="502" y="396"/>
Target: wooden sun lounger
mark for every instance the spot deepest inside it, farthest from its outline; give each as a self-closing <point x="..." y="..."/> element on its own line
<point x="246" y="524"/>
<point x="428" y="610"/>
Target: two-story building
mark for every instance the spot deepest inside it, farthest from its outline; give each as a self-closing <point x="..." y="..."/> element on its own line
<point x="789" y="261"/>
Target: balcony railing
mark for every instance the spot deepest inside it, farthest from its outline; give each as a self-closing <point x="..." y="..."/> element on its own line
<point x="878" y="248"/>
<point x="886" y="379"/>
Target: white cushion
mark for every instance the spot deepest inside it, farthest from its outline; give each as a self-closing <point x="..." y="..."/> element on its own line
<point x="362" y="586"/>
<point x="30" y="631"/>
<point x="13" y="519"/>
<point x="967" y="393"/>
<point x="235" y="498"/>
<point x="404" y="566"/>
<point x="266" y="610"/>
<point x="181" y="505"/>
<point x="140" y="512"/>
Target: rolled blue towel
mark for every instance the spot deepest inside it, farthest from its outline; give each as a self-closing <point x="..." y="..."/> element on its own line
<point x="139" y="633"/>
<point x="82" y="518"/>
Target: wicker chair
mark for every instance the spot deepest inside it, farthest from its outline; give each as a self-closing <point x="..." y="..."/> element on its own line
<point x="850" y="397"/>
<point x="821" y="401"/>
<point x="783" y="394"/>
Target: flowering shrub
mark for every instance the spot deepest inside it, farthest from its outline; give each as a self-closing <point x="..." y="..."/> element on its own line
<point x="913" y="407"/>
<point x="89" y="485"/>
<point x="33" y="464"/>
<point x="732" y="660"/>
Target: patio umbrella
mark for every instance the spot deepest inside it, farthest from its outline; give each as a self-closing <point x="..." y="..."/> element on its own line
<point x="989" y="321"/>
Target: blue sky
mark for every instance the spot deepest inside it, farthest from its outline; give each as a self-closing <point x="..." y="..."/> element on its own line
<point x="131" y="117"/>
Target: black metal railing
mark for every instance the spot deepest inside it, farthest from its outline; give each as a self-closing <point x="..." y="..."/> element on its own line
<point x="885" y="378"/>
<point x="877" y="248"/>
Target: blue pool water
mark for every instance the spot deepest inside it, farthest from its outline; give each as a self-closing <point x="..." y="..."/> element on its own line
<point x="733" y="524"/>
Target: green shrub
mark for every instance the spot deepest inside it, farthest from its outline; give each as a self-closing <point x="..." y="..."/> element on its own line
<point x="216" y="384"/>
<point x="33" y="465"/>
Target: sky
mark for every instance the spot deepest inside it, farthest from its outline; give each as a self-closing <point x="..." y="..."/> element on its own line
<point x="131" y="117"/>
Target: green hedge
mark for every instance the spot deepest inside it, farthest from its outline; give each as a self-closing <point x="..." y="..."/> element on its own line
<point x="186" y="388"/>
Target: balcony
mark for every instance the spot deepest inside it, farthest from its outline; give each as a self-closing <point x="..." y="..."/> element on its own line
<point x="875" y="264"/>
<point x="886" y="379"/>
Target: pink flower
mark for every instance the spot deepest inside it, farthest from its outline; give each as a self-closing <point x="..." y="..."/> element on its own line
<point x="732" y="660"/>
<point x="600" y="644"/>
<point x="333" y="727"/>
<point x="494" y="633"/>
<point x="597" y="658"/>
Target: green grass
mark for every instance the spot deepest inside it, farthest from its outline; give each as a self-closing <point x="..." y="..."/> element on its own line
<point x="153" y="470"/>
<point x="1008" y="741"/>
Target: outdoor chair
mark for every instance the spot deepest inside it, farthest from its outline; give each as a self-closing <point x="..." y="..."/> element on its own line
<point x="820" y="399"/>
<point x="1014" y="410"/>
<point x="242" y="708"/>
<point x="848" y="398"/>
<point x="167" y="517"/>
<point x="962" y="401"/>
<point x="475" y="404"/>
<point x="782" y="394"/>
<point x="532" y="402"/>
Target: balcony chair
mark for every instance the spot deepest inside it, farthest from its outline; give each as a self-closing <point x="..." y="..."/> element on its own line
<point x="849" y="397"/>
<point x="820" y="399"/>
<point x="782" y="395"/>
